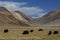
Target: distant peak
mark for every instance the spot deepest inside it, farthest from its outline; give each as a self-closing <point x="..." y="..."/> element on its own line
<point x="58" y="9"/>
<point x="3" y="7"/>
<point x="18" y="12"/>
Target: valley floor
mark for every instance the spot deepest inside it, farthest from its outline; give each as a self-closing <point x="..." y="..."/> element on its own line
<point x="29" y="33"/>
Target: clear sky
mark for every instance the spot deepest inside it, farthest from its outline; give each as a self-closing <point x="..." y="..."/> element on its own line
<point x="34" y="8"/>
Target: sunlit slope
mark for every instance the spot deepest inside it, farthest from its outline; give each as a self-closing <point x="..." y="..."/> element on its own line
<point x="6" y="18"/>
<point x="23" y="16"/>
<point x="54" y="23"/>
<point x="53" y="16"/>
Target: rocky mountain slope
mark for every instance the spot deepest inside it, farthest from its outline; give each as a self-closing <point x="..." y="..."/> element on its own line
<point x="50" y="18"/>
<point x="10" y="18"/>
<point x="23" y="17"/>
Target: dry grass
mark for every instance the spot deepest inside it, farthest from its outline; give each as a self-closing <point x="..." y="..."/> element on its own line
<point x="15" y="32"/>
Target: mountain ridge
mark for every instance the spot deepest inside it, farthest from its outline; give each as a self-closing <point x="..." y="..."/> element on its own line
<point x="6" y="17"/>
<point x="50" y="17"/>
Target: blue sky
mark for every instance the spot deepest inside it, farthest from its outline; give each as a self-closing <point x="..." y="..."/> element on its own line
<point x="34" y="8"/>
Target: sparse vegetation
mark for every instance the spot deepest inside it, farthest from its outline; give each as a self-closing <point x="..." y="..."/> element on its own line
<point x="13" y="29"/>
<point x="16" y="32"/>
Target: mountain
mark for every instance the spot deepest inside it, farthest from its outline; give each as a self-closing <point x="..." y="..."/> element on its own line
<point x="23" y="17"/>
<point x="52" y="17"/>
<point x="10" y="18"/>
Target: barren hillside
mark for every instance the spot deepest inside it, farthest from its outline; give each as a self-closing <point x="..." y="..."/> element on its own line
<point x="6" y="18"/>
<point x="53" y="17"/>
<point x="23" y="17"/>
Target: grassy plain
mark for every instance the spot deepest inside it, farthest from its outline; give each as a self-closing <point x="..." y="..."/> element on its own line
<point x="16" y="33"/>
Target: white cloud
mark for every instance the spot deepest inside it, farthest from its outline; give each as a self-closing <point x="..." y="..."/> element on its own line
<point x="28" y="10"/>
<point x="11" y="5"/>
<point x="33" y="11"/>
